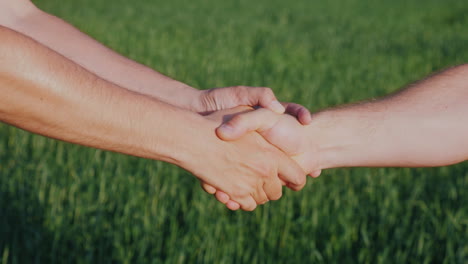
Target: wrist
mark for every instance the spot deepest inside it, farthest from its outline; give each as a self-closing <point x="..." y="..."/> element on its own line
<point x="194" y="100"/>
<point x="345" y="137"/>
<point x="330" y="137"/>
<point x="198" y="141"/>
<point x="201" y="101"/>
<point x="184" y="96"/>
<point x="314" y="155"/>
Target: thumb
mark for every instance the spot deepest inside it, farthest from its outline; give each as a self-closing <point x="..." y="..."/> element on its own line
<point x="259" y="120"/>
<point x="302" y="114"/>
<point x="264" y="97"/>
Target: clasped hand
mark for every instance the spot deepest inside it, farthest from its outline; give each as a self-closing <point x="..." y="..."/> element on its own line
<point x="276" y="145"/>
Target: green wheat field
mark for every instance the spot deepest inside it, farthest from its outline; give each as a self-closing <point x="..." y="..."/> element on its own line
<point x="62" y="203"/>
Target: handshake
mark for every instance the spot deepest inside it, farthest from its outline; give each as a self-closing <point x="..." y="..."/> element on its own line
<point x="241" y="155"/>
<point x="274" y="150"/>
<point x="256" y="152"/>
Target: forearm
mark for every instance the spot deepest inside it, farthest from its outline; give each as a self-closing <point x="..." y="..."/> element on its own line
<point x="45" y="93"/>
<point x="95" y="57"/>
<point x="423" y="125"/>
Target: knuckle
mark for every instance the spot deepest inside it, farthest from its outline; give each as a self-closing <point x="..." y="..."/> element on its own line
<point x="240" y="192"/>
<point x="249" y="207"/>
<point x="296" y="183"/>
<point x="265" y="175"/>
<point x="268" y="91"/>
<point x="302" y="180"/>
<point x="243" y="89"/>
<point x="267" y="172"/>
<point x="240" y="93"/>
<point x="236" y="193"/>
<point x="238" y="119"/>
<point x="297" y="180"/>
<point x="276" y="196"/>
<point x="239" y="122"/>
<point x="297" y="188"/>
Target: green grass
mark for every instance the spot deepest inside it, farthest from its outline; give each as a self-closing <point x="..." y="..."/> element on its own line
<point x="64" y="203"/>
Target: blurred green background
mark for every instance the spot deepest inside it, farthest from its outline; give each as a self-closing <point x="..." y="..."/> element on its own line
<point x="63" y="203"/>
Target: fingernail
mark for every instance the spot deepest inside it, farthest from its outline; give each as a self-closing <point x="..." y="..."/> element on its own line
<point x="226" y="129"/>
<point x="277" y="107"/>
<point x="306" y="119"/>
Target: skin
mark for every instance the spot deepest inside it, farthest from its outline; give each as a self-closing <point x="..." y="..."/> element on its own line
<point x="46" y="93"/>
<point x="24" y="17"/>
<point x="424" y="125"/>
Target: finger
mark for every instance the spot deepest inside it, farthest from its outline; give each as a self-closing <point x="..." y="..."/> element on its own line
<point x="315" y="174"/>
<point x="225" y="199"/>
<point x="258" y="120"/>
<point x="260" y="196"/>
<point x="290" y="172"/>
<point x="232" y="205"/>
<point x="273" y="189"/>
<point x="295" y="187"/>
<point x="208" y="188"/>
<point x="247" y="203"/>
<point x="264" y="97"/>
<point x="222" y="197"/>
<point x="274" y="106"/>
<point x="283" y="183"/>
<point x="302" y="114"/>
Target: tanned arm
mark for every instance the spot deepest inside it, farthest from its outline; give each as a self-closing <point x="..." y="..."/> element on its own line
<point x="24" y="17"/>
<point x="45" y="93"/>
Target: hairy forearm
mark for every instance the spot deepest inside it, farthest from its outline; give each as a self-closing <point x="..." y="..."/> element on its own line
<point x="95" y="57"/>
<point x="425" y="124"/>
<point x="45" y="93"/>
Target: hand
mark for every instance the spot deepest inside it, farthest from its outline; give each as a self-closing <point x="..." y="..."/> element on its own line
<point x="249" y="170"/>
<point x="283" y="131"/>
<point x="286" y="129"/>
<point x="229" y="97"/>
